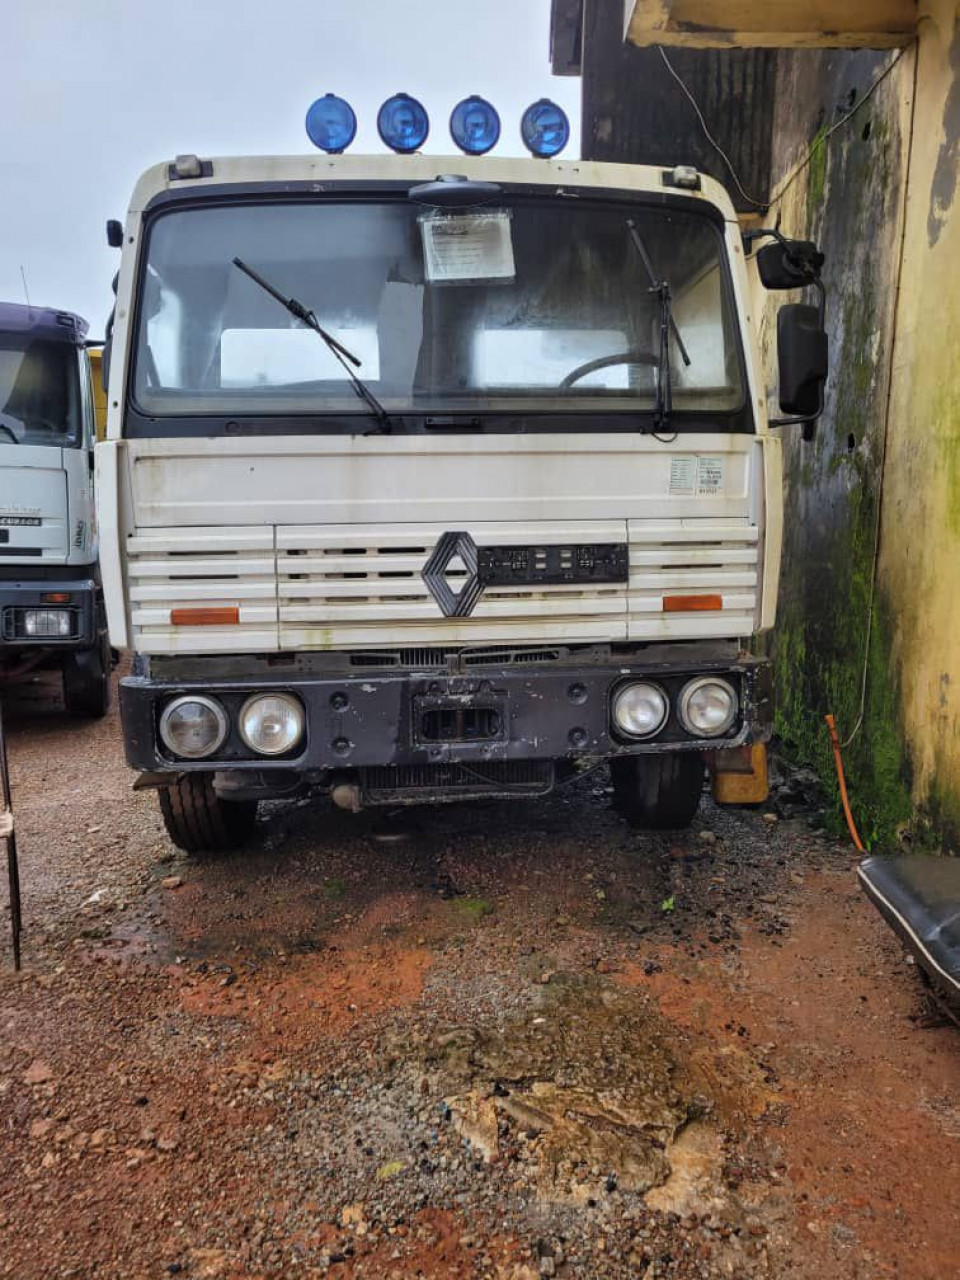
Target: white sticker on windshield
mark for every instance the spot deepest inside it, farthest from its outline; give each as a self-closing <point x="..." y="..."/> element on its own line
<point x="683" y="473"/>
<point x="467" y="248"/>
<point x="710" y="477"/>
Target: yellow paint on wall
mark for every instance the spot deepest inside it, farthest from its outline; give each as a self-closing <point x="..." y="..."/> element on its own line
<point x="920" y="533"/>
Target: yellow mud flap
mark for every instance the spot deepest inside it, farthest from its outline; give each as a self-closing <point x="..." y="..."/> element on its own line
<point x="739" y="776"/>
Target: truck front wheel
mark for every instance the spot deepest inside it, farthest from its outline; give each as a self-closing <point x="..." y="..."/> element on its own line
<point x="658" y="792"/>
<point x="198" y="821"/>
<point x="86" y="681"/>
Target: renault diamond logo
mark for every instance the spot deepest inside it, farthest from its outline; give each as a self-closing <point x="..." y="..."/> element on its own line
<point x="454" y="553"/>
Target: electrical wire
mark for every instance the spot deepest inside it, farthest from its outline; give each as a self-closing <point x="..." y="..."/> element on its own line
<point x="820" y="142"/>
<point x="759" y="204"/>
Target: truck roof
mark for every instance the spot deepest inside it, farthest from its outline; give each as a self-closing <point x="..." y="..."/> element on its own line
<point x="316" y="171"/>
<point x="43" y="322"/>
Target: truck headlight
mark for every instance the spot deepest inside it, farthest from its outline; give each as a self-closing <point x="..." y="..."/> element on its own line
<point x="193" y="726"/>
<point x="640" y="710"/>
<point x="708" y="707"/>
<point x="271" y="723"/>
<point x="50" y="623"/>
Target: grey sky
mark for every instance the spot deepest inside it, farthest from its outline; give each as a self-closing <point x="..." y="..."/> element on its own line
<point x="94" y="92"/>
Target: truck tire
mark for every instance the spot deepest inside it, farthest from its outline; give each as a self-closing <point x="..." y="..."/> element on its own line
<point x="198" y="821"/>
<point x="86" y="681"/>
<point x="658" y="792"/>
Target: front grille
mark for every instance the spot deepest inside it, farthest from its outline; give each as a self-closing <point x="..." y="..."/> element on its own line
<point x="416" y="783"/>
<point x="418" y="658"/>
<point x="363" y="588"/>
<point x="438" y="659"/>
<point x="692" y="557"/>
<point x="217" y="568"/>
<point x="359" y="590"/>
<point x="502" y="656"/>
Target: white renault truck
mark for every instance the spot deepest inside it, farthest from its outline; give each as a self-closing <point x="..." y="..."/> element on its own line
<point x="51" y="605"/>
<point x="440" y="479"/>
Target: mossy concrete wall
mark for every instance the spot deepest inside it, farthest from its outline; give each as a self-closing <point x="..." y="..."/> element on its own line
<point x="920" y="542"/>
<point x="877" y="195"/>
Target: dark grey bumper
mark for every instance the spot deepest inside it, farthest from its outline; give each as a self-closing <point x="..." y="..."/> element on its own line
<point x="549" y="712"/>
<point x="18" y="595"/>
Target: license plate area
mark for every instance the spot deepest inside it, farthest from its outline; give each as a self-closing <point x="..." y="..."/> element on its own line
<point x="459" y="718"/>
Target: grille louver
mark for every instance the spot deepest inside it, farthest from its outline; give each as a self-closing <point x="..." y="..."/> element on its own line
<point x="359" y="588"/>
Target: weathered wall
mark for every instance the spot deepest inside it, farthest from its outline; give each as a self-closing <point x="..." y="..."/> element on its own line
<point x="849" y="199"/>
<point x="920" y="546"/>
<point x="878" y="196"/>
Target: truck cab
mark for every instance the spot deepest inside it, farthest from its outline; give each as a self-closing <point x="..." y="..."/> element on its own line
<point x="430" y="480"/>
<point x="51" y="604"/>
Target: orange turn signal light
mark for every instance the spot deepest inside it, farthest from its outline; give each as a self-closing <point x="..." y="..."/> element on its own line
<point x="227" y="617"/>
<point x="56" y="597"/>
<point x="691" y="604"/>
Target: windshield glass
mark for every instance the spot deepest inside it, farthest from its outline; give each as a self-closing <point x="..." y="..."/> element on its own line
<point x="39" y="391"/>
<point x="543" y="306"/>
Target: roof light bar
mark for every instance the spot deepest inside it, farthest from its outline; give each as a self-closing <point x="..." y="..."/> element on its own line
<point x="331" y="124"/>
<point x="403" y="124"/>
<point x="545" y="129"/>
<point x="475" y="126"/>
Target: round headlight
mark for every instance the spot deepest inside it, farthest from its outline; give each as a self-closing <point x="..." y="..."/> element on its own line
<point x="193" y="726"/>
<point x="271" y="723"/>
<point x="640" y="710"/>
<point x="707" y="707"/>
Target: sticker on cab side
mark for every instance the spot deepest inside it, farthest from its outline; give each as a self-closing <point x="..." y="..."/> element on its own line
<point x="696" y="477"/>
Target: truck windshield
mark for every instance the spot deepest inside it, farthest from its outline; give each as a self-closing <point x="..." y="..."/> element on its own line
<point x="524" y="307"/>
<point x="39" y="391"/>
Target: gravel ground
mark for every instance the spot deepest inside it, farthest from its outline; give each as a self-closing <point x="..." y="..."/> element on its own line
<point x="493" y="1040"/>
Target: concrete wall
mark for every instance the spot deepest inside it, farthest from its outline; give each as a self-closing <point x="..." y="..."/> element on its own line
<point x="878" y="196"/>
<point x="920" y="546"/>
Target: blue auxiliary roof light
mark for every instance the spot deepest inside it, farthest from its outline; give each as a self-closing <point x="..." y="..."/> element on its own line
<point x="545" y="129"/>
<point x="331" y="124"/>
<point x="474" y="126"/>
<point x="402" y="123"/>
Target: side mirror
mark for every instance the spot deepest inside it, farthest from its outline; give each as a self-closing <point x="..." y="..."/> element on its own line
<point x="802" y="352"/>
<point x="115" y="234"/>
<point x="789" y="264"/>
<point x="801" y="335"/>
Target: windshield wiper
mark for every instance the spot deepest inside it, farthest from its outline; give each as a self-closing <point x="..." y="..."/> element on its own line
<point x="645" y="258"/>
<point x="337" y="349"/>
<point x="663" y="405"/>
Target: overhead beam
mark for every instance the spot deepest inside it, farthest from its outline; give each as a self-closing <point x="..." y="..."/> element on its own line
<point x="786" y="24"/>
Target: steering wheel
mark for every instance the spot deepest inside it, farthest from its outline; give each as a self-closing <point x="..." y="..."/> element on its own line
<point x="605" y="362"/>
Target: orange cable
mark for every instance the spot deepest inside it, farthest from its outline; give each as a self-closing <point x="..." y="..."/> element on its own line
<point x="838" y="758"/>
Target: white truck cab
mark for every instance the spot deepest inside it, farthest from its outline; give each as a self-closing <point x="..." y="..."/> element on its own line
<point x="436" y="479"/>
<point x="51" y="605"/>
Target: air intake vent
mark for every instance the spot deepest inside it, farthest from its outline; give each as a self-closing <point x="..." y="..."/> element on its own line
<point x="436" y="783"/>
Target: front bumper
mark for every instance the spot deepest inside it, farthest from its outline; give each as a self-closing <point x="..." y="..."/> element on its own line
<point x="523" y="713"/>
<point x="18" y="596"/>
